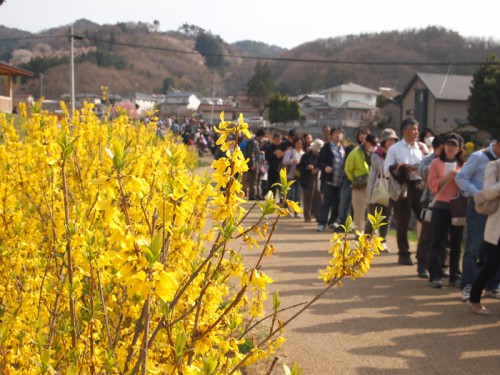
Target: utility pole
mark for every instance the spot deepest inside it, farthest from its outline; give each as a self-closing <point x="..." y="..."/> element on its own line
<point x="213" y="98"/>
<point x="41" y="85"/>
<point x="72" y="71"/>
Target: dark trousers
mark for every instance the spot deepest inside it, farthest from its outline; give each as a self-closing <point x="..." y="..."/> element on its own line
<point x="402" y="212"/>
<point x="440" y="227"/>
<point x="487" y="272"/>
<point x="424" y="247"/>
<point x="331" y="199"/>
<point x="312" y="200"/>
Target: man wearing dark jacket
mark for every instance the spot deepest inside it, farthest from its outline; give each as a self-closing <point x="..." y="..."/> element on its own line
<point x="254" y="156"/>
<point x="331" y="163"/>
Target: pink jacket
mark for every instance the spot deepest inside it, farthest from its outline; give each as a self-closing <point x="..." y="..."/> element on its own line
<point x="436" y="173"/>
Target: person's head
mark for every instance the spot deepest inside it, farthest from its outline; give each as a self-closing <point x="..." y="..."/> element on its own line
<point x="387" y="138"/>
<point x="496" y="147"/>
<point x="409" y="130"/>
<point x="336" y="135"/>
<point x="427" y="136"/>
<point x="326" y="132"/>
<point x="371" y="143"/>
<point x="453" y="148"/>
<point x="438" y="144"/>
<point x="308" y="138"/>
<point x="261" y="133"/>
<point x="298" y="143"/>
<point x="316" y="146"/>
<point x="361" y="135"/>
<point x="276" y="138"/>
<point x="292" y="134"/>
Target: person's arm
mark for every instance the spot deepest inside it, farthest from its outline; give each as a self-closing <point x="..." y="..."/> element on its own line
<point x="350" y="165"/>
<point x="390" y="159"/>
<point x="464" y="176"/>
<point x="287" y="159"/>
<point x="491" y="182"/>
<point x="433" y="179"/>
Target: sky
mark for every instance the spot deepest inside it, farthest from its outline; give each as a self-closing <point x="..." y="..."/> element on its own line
<point x="286" y="24"/>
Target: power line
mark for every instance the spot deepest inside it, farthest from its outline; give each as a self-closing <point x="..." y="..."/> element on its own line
<point x="266" y="58"/>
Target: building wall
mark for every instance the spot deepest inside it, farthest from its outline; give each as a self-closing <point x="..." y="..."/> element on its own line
<point x="447" y="112"/>
<point x="336" y="99"/>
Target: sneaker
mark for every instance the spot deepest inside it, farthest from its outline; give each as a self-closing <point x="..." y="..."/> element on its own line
<point x="436" y="284"/>
<point x="320" y="228"/>
<point x="492" y="293"/>
<point x="385" y="250"/>
<point x="465" y="293"/>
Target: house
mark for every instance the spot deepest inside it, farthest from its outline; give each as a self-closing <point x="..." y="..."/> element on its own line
<point x="179" y="104"/>
<point x="346" y="105"/>
<point x="350" y="92"/>
<point x="7" y="73"/>
<point x="437" y="101"/>
<point x="144" y="103"/>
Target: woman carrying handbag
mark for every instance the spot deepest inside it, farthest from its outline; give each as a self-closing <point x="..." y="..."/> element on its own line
<point x="377" y="191"/>
<point x="491" y="244"/>
<point x="442" y="172"/>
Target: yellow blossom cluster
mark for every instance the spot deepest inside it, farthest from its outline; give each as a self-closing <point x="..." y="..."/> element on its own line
<point x="105" y="262"/>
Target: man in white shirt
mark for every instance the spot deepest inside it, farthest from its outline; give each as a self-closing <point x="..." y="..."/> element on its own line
<point x="403" y="164"/>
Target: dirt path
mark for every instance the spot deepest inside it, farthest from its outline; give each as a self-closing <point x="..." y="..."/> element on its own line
<point x="388" y="322"/>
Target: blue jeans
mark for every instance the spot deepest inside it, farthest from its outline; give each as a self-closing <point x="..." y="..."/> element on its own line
<point x="345" y="201"/>
<point x="473" y="256"/>
<point x="331" y="198"/>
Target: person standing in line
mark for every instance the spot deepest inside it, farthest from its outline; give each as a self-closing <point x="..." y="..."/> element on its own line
<point x="424" y="240"/>
<point x="308" y="167"/>
<point x="274" y="155"/>
<point x="291" y="160"/>
<point x="470" y="180"/>
<point x="346" y="189"/>
<point x="331" y="163"/>
<point x="326" y="133"/>
<point x="254" y="156"/>
<point x="387" y="138"/>
<point x="357" y="170"/>
<point x="403" y="164"/>
<point x="441" y="182"/>
<point x="491" y="243"/>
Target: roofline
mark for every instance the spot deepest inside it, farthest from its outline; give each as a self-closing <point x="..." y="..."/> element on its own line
<point x="6" y="69"/>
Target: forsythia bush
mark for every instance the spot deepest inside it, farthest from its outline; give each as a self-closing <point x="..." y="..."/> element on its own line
<point x="116" y="258"/>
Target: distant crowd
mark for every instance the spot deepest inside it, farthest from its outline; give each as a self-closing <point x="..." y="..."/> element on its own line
<point x="426" y="174"/>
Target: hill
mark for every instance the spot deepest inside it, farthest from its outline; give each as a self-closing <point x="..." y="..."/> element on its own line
<point x="136" y="57"/>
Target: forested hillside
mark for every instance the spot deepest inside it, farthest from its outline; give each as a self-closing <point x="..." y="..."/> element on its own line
<point x="136" y="57"/>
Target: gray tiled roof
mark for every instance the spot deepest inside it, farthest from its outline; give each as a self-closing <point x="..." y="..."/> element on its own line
<point x="447" y="87"/>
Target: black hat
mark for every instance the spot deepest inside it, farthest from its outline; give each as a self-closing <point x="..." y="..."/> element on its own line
<point x="371" y="138"/>
<point x="455" y="138"/>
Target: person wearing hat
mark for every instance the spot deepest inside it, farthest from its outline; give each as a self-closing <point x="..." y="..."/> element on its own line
<point x="387" y="138"/>
<point x="357" y="170"/>
<point x="402" y="164"/>
<point x="424" y="239"/>
<point x="441" y="182"/>
<point x="308" y="180"/>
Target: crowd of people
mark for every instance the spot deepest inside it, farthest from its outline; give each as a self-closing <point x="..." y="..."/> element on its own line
<point x="426" y="175"/>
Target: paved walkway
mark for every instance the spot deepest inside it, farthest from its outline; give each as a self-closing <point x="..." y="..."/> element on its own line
<point x="387" y="322"/>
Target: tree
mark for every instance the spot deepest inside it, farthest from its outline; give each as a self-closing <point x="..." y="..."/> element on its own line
<point x="282" y="109"/>
<point x="260" y="86"/>
<point x="484" y="100"/>
<point x="168" y="85"/>
<point x="210" y="46"/>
